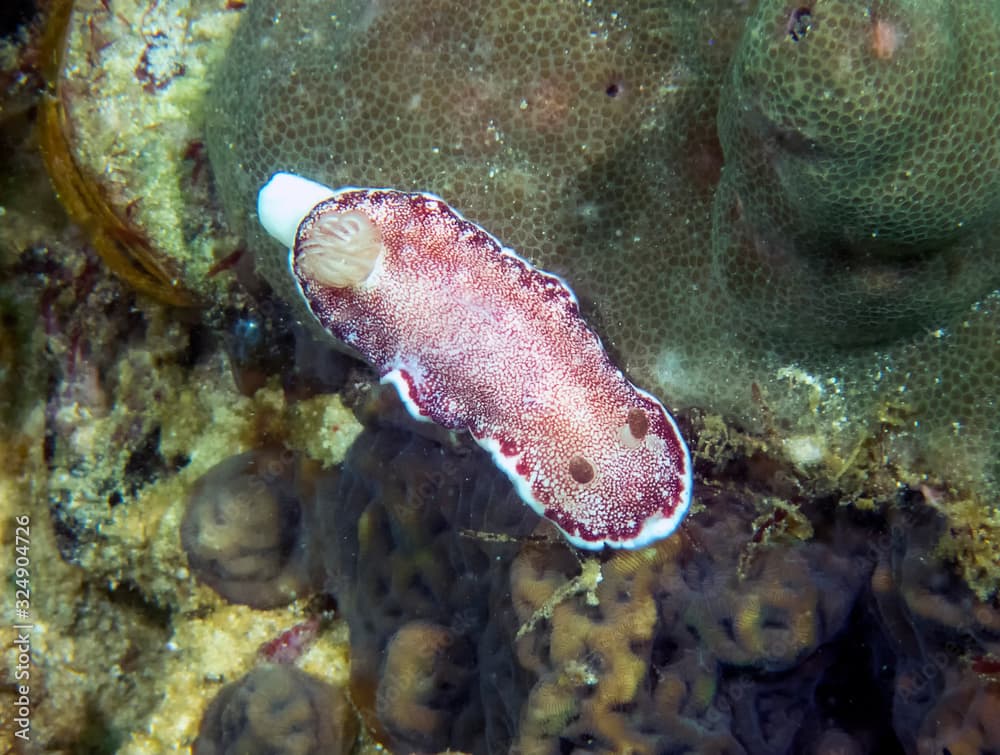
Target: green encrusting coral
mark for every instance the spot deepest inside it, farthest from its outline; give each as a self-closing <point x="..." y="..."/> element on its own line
<point x="785" y="216"/>
<point x="860" y="202"/>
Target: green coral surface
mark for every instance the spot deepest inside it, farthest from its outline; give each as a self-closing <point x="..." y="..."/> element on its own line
<point x="787" y="216"/>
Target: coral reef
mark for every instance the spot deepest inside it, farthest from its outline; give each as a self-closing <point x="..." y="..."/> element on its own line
<point x="965" y="720"/>
<point x="277" y="709"/>
<point x="834" y="588"/>
<point x="659" y="638"/>
<point x="740" y="634"/>
<point x="424" y="682"/>
<point x="929" y="618"/>
<point x="114" y="407"/>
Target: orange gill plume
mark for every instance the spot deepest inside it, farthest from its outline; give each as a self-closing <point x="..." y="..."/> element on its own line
<point x="339" y="249"/>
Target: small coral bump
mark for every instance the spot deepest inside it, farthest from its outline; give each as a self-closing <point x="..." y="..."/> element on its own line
<point x="277" y="709"/>
<point x="245" y="530"/>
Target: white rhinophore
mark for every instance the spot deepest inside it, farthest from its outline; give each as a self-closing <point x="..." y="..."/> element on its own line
<point x="284" y="201"/>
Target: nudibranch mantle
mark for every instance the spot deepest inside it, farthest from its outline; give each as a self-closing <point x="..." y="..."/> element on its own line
<point x="476" y="338"/>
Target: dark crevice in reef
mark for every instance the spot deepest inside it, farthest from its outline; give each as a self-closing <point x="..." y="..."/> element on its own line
<point x="14" y="14"/>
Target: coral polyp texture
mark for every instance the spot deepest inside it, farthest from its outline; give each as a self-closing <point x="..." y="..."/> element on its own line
<point x="475" y="338"/>
<point x="862" y="183"/>
<point x="784" y="214"/>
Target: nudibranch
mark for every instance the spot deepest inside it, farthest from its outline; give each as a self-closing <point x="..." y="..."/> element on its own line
<point x="476" y="338"/>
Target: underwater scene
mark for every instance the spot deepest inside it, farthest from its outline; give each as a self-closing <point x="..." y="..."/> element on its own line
<point x="500" y="376"/>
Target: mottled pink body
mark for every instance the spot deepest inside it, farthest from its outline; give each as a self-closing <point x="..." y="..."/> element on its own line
<point x="291" y="643"/>
<point x="476" y="338"/>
